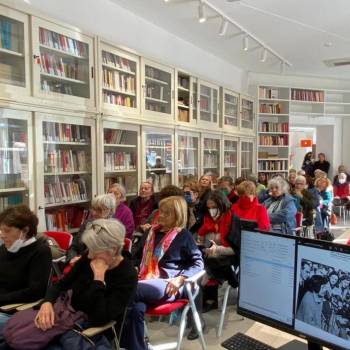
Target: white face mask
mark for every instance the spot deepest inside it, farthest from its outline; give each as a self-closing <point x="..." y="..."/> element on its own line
<point x="342" y="181"/>
<point x="214" y="212"/>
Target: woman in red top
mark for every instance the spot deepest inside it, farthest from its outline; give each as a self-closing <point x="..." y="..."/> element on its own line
<point x="247" y="207"/>
<point x="219" y="256"/>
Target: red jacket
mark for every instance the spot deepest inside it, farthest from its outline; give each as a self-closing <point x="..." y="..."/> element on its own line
<point x="341" y="190"/>
<point x="245" y="209"/>
<point x="222" y="225"/>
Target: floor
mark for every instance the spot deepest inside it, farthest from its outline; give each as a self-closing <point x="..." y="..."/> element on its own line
<point x="161" y="332"/>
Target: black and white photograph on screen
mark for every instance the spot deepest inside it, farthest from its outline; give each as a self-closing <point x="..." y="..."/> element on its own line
<point x="323" y="298"/>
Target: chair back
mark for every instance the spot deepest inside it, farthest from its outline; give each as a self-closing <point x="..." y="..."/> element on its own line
<point x="299" y="219"/>
<point x="63" y="239"/>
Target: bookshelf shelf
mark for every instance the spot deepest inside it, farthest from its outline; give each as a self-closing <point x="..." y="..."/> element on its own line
<point x="275" y="114"/>
<point x="183" y="106"/>
<point x="187" y="149"/>
<point x="156" y="100"/>
<point x="159" y="147"/>
<point x="52" y="205"/>
<point x="273" y="133"/>
<point x="155" y="169"/>
<point x="187" y="168"/>
<point x="281" y="146"/>
<point x="11" y="52"/>
<point x="273" y="100"/>
<point x="119" y="145"/>
<point x="62" y="52"/>
<point x="228" y="165"/>
<point x="181" y="88"/>
<point x="128" y="93"/>
<point x="269" y="159"/>
<point x="307" y="102"/>
<point x="53" y="76"/>
<point x="67" y="173"/>
<point x="66" y="143"/>
<point x="210" y="167"/>
<point x="157" y="81"/>
<point x="210" y="150"/>
<point x="121" y="70"/>
<point x="12" y="149"/>
<point x="120" y="171"/>
<point x="14" y="189"/>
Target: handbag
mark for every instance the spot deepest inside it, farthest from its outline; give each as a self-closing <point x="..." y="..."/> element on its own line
<point x="21" y="333"/>
<point x="326" y="236"/>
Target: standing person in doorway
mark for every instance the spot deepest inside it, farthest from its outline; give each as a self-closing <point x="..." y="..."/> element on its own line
<point x="322" y="163"/>
<point x="308" y="164"/>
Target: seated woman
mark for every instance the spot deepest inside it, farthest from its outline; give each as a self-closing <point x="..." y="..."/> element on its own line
<point x="122" y="212"/>
<point x="341" y="190"/>
<point x="168" y="256"/>
<point x="247" y="207"/>
<point x="25" y="263"/>
<point x="102" y="207"/>
<point x="281" y="207"/>
<point x="102" y="281"/>
<point x="213" y="236"/>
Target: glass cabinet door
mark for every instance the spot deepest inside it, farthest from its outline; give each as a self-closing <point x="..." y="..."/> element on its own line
<point x="230" y="158"/>
<point x="246" y="158"/>
<point x="211" y="157"/>
<point x="230" y="109"/>
<point x="187" y="161"/>
<point x="247" y="113"/>
<point x="159" y="159"/>
<point x="120" y="81"/>
<point x="15" y="175"/>
<point x="208" y="103"/>
<point x="65" y="163"/>
<point x="120" y="157"/>
<point x="63" y="58"/>
<point x="158" y="82"/>
<point x="13" y="49"/>
<point x="183" y="97"/>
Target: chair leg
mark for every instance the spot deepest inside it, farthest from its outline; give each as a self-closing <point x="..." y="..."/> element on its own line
<point x="223" y="311"/>
<point x="182" y="327"/>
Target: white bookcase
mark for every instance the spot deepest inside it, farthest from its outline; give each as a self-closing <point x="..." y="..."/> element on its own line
<point x="63" y="64"/>
<point x="247" y="108"/>
<point x="65" y="170"/>
<point x="14" y="54"/>
<point x="247" y="150"/>
<point x="120" y="80"/>
<point x="211" y="156"/>
<point x="230" y="110"/>
<point x="16" y="158"/>
<point x="230" y="156"/>
<point x="120" y="156"/>
<point x="207" y="97"/>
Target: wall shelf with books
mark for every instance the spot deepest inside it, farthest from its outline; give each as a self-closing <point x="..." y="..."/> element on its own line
<point x="187" y="157"/>
<point x="230" y="109"/>
<point x="158" y="155"/>
<point x="157" y="85"/>
<point x="120" y="156"/>
<point x="14" y="53"/>
<point x="15" y="158"/>
<point x="247" y="108"/>
<point x="230" y="161"/>
<point x="120" y="80"/>
<point x="65" y="151"/>
<point x="62" y="64"/>
<point x="211" y="156"/>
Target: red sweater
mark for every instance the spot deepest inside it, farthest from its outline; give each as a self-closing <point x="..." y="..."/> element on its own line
<point x="341" y="190"/>
<point x="221" y="225"/>
<point x="245" y="209"/>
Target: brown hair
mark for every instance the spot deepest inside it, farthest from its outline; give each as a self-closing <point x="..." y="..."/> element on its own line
<point x="170" y="190"/>
<point x="246" y="188"/>
<point x="20" y="216"/>
<point x="193" y="185"/>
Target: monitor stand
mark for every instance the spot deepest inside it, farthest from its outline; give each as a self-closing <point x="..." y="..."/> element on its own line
<point x="294" y="345"/>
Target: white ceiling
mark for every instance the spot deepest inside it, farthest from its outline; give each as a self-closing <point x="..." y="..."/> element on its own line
<point x="296" y="29"/>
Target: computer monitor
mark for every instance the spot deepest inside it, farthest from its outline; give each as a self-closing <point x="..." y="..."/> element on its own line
<point x="298" y="285"/>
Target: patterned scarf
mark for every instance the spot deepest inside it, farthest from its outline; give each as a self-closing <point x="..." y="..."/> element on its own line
<point x="151" y="255"/>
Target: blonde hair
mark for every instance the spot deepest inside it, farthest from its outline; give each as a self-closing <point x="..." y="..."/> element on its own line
<point x="120" y="188"/>
<point x="104" y="235"/>
<point x="178" y="205"/>
<point x="301" y="178"/>
<point x="246" y="188"/>
<point x="323" y="180"/>
<point x="103" y="202"/>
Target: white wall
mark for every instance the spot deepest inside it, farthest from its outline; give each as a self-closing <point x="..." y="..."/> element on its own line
<point x="122" y="27"/>
<point x="297" y="153"/>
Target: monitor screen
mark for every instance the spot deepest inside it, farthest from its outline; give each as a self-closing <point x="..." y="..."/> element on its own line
<point x="267" y="275"/>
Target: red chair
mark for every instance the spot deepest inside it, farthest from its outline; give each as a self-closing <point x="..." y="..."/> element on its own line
<point x="192" y="289"/>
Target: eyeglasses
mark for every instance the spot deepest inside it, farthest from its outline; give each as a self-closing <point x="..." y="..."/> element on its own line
<point x="99" y="228"/>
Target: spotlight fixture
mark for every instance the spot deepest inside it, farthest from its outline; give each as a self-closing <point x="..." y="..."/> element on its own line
<point x="223" y="27"/>
<point x="245" y="43"/>
<point x="201" y="12"/>
<point x="263" y="55"/>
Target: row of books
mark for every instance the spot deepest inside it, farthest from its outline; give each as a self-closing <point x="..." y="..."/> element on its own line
<point x="62" y="161"/>
<point x="157" y="92"/>
<point x="62" y="43"/>
<point x="119" y="161"/>
<point x="210" y="160"/>
<point x="157" y="141"/>
<point x="188" y="142"/>
<point x="7" y="201"/>
<point x="119" y="100"/>
<point x="273" y="165"/>
<point x="273" y="140"/>
<point x="231" y="159"/>
<point x="128" y="181"/>
<point x="64" y="192"/>
<point x="159" y="180"/>
<point x="268" y="92"/>
<point x="61" y="67"/>
<point x="118" y="62"/>
<point x="211" y="144"/>
<point x="61" y="132"/>
<point x="11" y="180"/>
<point x="5" y="34"/>
<point x="53" y="86"/>
<point x="155" y="73"/>
<point x="64" y="219"/>
<point x="274" y="108"/>
<point x="307" y="95"/>
<point x="119" y="137"/>
<point x="118" y="81"/>
<point x="274" y="127"/>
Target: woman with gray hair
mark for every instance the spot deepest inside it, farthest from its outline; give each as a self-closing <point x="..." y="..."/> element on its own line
<point x="280" y="206"/>
<point x="102" y="207"/>
<point x="102" y="281"/>
<point x="122" y="213"/>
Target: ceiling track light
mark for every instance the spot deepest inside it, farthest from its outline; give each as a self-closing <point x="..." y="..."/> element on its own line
<point x="246" y="43"/>
<point x="223" y="27"/>
<point x="201" y="12"/>
<point x="263" y="56"/>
